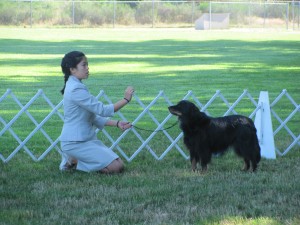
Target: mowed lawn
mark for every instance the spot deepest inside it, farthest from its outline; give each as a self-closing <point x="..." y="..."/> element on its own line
<point x="149" y="191"/>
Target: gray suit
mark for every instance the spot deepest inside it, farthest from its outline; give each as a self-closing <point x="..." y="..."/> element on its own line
<point x="82" y="112"/>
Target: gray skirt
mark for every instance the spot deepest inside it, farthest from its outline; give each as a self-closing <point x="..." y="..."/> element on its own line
<point x="92" y="155"/>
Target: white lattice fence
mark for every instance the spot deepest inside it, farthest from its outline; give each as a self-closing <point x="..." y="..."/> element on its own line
<point x="39" y="119"/>
<point x="292" y="116"/>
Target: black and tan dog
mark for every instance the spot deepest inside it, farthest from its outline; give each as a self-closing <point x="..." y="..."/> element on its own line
<point x="204" y="135"/>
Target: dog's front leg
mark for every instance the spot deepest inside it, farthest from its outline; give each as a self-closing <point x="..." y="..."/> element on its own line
<point x="204" y="168"/>
<point x="194" y="164"/>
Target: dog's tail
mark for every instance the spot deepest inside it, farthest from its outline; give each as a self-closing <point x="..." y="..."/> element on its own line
<point x="258" y="156"/>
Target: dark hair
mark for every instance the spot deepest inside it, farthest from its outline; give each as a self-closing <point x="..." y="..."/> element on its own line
<point x="70" y="60"/>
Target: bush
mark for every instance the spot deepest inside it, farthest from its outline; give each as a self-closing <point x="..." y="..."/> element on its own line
<point x="6" y="13"/>
<point x="174" y="12"/>
<point x="12" y="13"/>
<point x="91" y="13"/>
<point x="63" y="15"/>
<point x="143" y="13"/>
<point x="125" y="14"/>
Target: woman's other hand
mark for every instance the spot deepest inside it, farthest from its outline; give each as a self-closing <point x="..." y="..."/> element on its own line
<point x="124" y="125"/>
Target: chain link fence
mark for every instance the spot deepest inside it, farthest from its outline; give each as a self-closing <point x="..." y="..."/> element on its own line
<point x="152" y="14"/>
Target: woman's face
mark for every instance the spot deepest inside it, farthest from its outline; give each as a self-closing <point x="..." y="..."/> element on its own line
<point x="82" y="69"/>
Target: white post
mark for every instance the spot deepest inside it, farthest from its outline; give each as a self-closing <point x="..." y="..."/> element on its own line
<point x="263" y="124"/>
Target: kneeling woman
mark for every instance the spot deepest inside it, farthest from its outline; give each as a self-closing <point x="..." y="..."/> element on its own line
<point x="82" y="113"/>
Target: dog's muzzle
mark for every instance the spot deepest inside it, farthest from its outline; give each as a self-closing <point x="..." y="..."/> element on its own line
<point x="174" y="112"/>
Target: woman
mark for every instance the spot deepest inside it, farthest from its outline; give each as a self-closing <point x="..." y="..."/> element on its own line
<point x="82" y="113"/>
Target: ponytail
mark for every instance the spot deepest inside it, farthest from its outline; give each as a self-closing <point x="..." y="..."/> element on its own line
<point x="70" y="60"/>
<point x="66" y="77"/>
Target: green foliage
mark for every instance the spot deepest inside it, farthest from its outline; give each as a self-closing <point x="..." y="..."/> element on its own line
<point x="12" y="14"/>
<point x="174" y="13"/>
<point x="125" y="14"/>
<point x="143" y="13"/>
<point x="6" y="17"/>
<point x="158" y="13"/>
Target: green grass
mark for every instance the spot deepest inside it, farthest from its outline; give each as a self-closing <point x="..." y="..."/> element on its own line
<point x="150" y="191"/>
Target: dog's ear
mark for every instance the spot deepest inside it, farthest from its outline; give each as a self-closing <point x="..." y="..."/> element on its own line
<point x="195" y="109"/>
<point x="203" y="119"/>
<point x="194" y="112"/>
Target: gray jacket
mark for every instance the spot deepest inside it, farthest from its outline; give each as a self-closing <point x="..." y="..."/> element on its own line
<point x="82" y="112"/>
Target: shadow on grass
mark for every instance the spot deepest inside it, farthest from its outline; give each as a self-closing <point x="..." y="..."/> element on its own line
<point x="162" y="64"/>
<point x="227" y="51"/>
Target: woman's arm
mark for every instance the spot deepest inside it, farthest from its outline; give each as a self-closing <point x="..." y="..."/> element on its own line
<point x="127" y="98"/>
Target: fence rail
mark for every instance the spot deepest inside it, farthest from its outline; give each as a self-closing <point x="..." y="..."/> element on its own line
<point x="248" y="14"/>
<point x="285" y="125"/>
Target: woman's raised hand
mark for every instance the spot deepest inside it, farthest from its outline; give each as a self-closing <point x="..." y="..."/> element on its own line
<point x="128" y="93"/>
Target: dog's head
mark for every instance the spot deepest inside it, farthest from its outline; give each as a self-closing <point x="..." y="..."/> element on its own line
<point x="188" y="113"/>
<point x="183" y="108"/>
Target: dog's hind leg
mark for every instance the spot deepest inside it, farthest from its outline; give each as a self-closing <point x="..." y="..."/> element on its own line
<point x="246" y="165"/>
<point x="254" y="165"/>
<point x="205" y="159"/>
<point x="254" y="161"/>
<point x="243" y="153"/>
<point x="244" y="147"/>
<point x="255" y="157"/>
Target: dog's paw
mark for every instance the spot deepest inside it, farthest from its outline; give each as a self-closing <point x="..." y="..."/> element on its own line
<point x="204" y="168"/>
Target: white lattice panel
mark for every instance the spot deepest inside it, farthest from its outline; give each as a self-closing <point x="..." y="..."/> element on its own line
<point x="144" y="140"/>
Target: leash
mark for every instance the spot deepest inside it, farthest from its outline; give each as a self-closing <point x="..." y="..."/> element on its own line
<point x="139" y="128"/>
